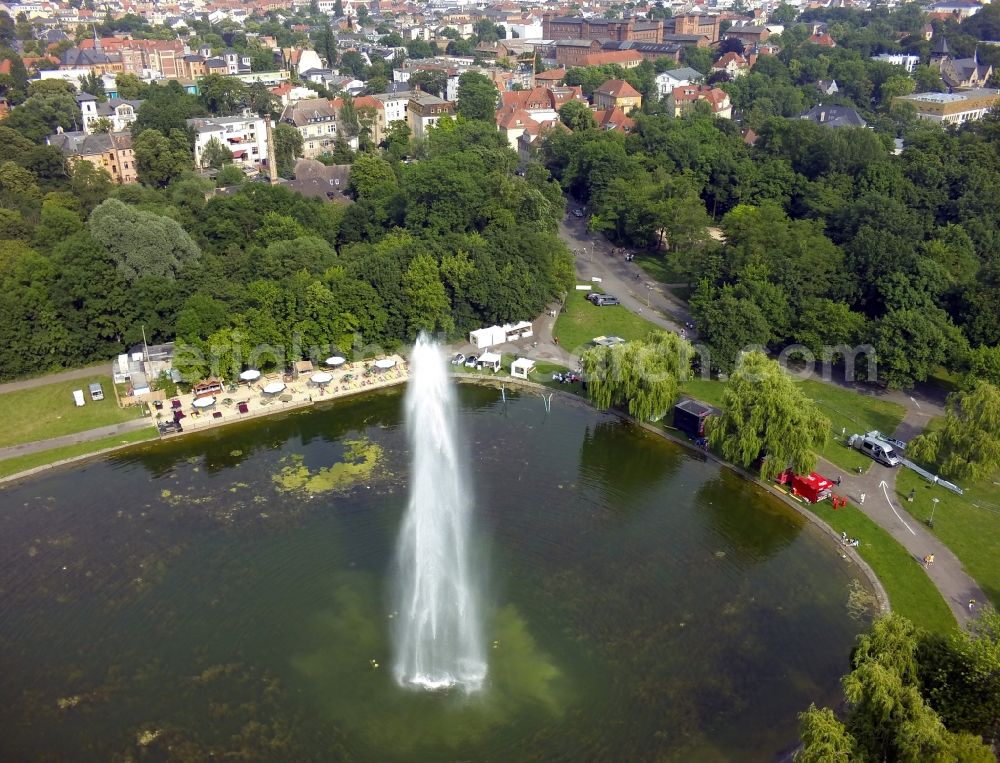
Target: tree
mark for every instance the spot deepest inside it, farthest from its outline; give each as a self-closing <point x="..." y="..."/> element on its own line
<point x="19" y="189"/>
<point x="699" y="59"/>
<point x="130" y="87"/>
<point x="230" y="175"/>
<point x="967" y="445"/>
<point x="824" y="738"/>
<point x="730" y="323"/>
<point x="93" y="84"/>
<point x="166" y="107"/>
<point x="644" y="374"/>
<point x="222" y="96"/>
<point x="577" y="116"/>
<point x="215" y="154"/>
<point x="43" y="113"/>
<point x="287" y="147"/>
<point x="160" y="159"/>
<point x="430" y="81"/>
<point x="477" y="97"/>
<point x="765" y="415"/>
<point x="428" y="308"/>
<point x="910" y="343"/>
<point x="90" y="184"/>
<point x="142" y="244"/>
<point x="102" y="125"/>
<point x="783" y="14"/>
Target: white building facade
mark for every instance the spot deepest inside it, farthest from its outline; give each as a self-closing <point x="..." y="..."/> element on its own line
<point x="246" y="137"/>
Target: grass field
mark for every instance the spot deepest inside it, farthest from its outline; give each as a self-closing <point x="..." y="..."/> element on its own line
<point x="31" y="460"/>
<point x="48" y="411"/>
<point x="968" y="524"/>
<point x="855" y="413"/>
<point x="658" y="267"/>
<point x="911" y="592"/>
<point x="582" y="321"/>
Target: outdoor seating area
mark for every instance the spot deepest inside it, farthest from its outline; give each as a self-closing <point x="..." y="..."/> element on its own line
<point x="213" y="402"/>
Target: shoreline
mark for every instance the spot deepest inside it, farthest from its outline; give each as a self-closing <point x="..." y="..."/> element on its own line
<point x="882" y="597"/>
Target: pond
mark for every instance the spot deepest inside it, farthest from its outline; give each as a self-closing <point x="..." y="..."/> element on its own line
<point x="226" y="594"/>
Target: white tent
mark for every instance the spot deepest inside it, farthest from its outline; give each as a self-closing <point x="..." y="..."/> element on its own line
<point x="521" y="367"/>
<point x="488" y="336"/>
<point x="489" y="360"/>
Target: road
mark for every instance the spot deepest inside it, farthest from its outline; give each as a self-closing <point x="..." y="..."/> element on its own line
<point x="72" y="439"/>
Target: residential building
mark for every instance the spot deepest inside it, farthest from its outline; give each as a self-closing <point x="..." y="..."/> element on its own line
<point x="94" y="61"/>
<point x="748" y="34"/>
<point x="671" y="78"/>
<point x="960" y="73"/>
<point x="393" y="109"/>
<point x="246" y="137"/>
<point x="425" y="110"/>
<point x="733" y="65"/>
<point x="953" y="9"/>
<point x="614" y="119"/>
<point x="824" y="40"/>
<point x="617" y="93"/>
<point x="683" y="100"/>
<point x="532" y="110"/>
<point x="316" y="120"/>
<point x="120" y="113"/>
<point x="834" y="116"/>
<point x="952" y="108"/>
<point x="627" y="59"/>
<point x="111" y="152"/>
<point x="550" y="77"/>
<point x="908" y="62"/>
<point x="193" y="66"/>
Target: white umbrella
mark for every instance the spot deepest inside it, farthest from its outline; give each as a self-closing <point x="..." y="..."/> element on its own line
<point x="251" y="374"/>
<point x="385" y="363"/>
<point x="204" y="402"/>
<point x="274" y="388"/>
<point x="335" y="361"/>
<point x="321" y="378"/>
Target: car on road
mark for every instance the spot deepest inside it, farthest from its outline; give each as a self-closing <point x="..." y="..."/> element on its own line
<point x="606" y="300"/>
<point x="578" y="212"/>
<point x="458" y="360"/>
<point x="471" y="361"/>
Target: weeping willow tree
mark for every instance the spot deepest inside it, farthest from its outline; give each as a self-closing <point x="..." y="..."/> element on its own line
<point x="967" y="445"/>
<point x="765" y="413"/>
<point x="643" y="375"/>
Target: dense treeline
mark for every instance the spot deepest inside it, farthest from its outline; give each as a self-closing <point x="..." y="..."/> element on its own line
<point x="830" y="238"/>
<point x="444" y="244"/>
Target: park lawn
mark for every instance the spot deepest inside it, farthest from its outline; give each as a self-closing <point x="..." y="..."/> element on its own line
<point x="48" y="411"/>
<point x="706" y="390"/>
<point x="581" y="322"/>
<point x="31" y="460"/>
<point x="658" y="267"/>
<point x="911" y="592"/>
<point x="968" y="524"/>
<point x="855" y="413"/>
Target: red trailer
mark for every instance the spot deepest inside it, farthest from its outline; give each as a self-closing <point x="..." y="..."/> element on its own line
<point x="813" y="487"/>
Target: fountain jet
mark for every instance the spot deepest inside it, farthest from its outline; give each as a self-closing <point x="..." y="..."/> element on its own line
<point x="438" y="636"/>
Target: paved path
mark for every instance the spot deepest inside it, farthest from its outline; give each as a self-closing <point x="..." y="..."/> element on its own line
<point x="72" y="439"/>
<point x="41" y="381"/>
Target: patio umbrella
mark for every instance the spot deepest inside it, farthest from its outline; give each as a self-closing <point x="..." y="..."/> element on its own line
<point x="251" y="374"/>
<point x="321" y="378"/>
<point x="385" y="363"/>
<point x="335" y="361"/>
<point x="274" y="388"/>
<point x="204" y="402"/>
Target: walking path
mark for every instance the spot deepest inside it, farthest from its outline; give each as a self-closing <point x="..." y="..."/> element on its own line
<point x="41" y="381"/>
<point x="72" y="439"/>
<point x="626" y="281"/>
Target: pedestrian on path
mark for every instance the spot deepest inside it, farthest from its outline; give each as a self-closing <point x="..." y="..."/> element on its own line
<point x="862" y="501"/>
<point x="928" y="561"/>
<point x="972" y="604"/>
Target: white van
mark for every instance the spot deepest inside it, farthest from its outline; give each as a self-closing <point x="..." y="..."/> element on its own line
<point x="78" y="397"/>
<point x="875" y="449"/>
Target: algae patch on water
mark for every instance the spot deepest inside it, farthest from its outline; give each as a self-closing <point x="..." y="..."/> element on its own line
<point x="361" y="459"/>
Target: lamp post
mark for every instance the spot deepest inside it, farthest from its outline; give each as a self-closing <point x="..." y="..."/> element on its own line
<point x="934" y="503"/>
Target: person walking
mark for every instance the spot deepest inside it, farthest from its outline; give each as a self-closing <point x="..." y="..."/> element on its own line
<point x="972" y="604"/>
<point x="862" y="501"/>
<point x="928" y="561"/>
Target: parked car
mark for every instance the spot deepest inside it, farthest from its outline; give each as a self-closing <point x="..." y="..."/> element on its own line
<point x="471" y="361"/>
<point x="594" y="296"/>
<point x="458" y="360"/>
<point x="875" y="449"/>
<point x="605" y="300"/>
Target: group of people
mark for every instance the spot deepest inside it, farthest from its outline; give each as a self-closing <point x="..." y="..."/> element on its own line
<point x="567" y="378"/>
<point x="625" y="253"/>
<point x="852" y="542"/>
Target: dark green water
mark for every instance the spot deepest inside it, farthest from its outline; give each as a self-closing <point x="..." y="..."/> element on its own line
<point x="213" y="597"/>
